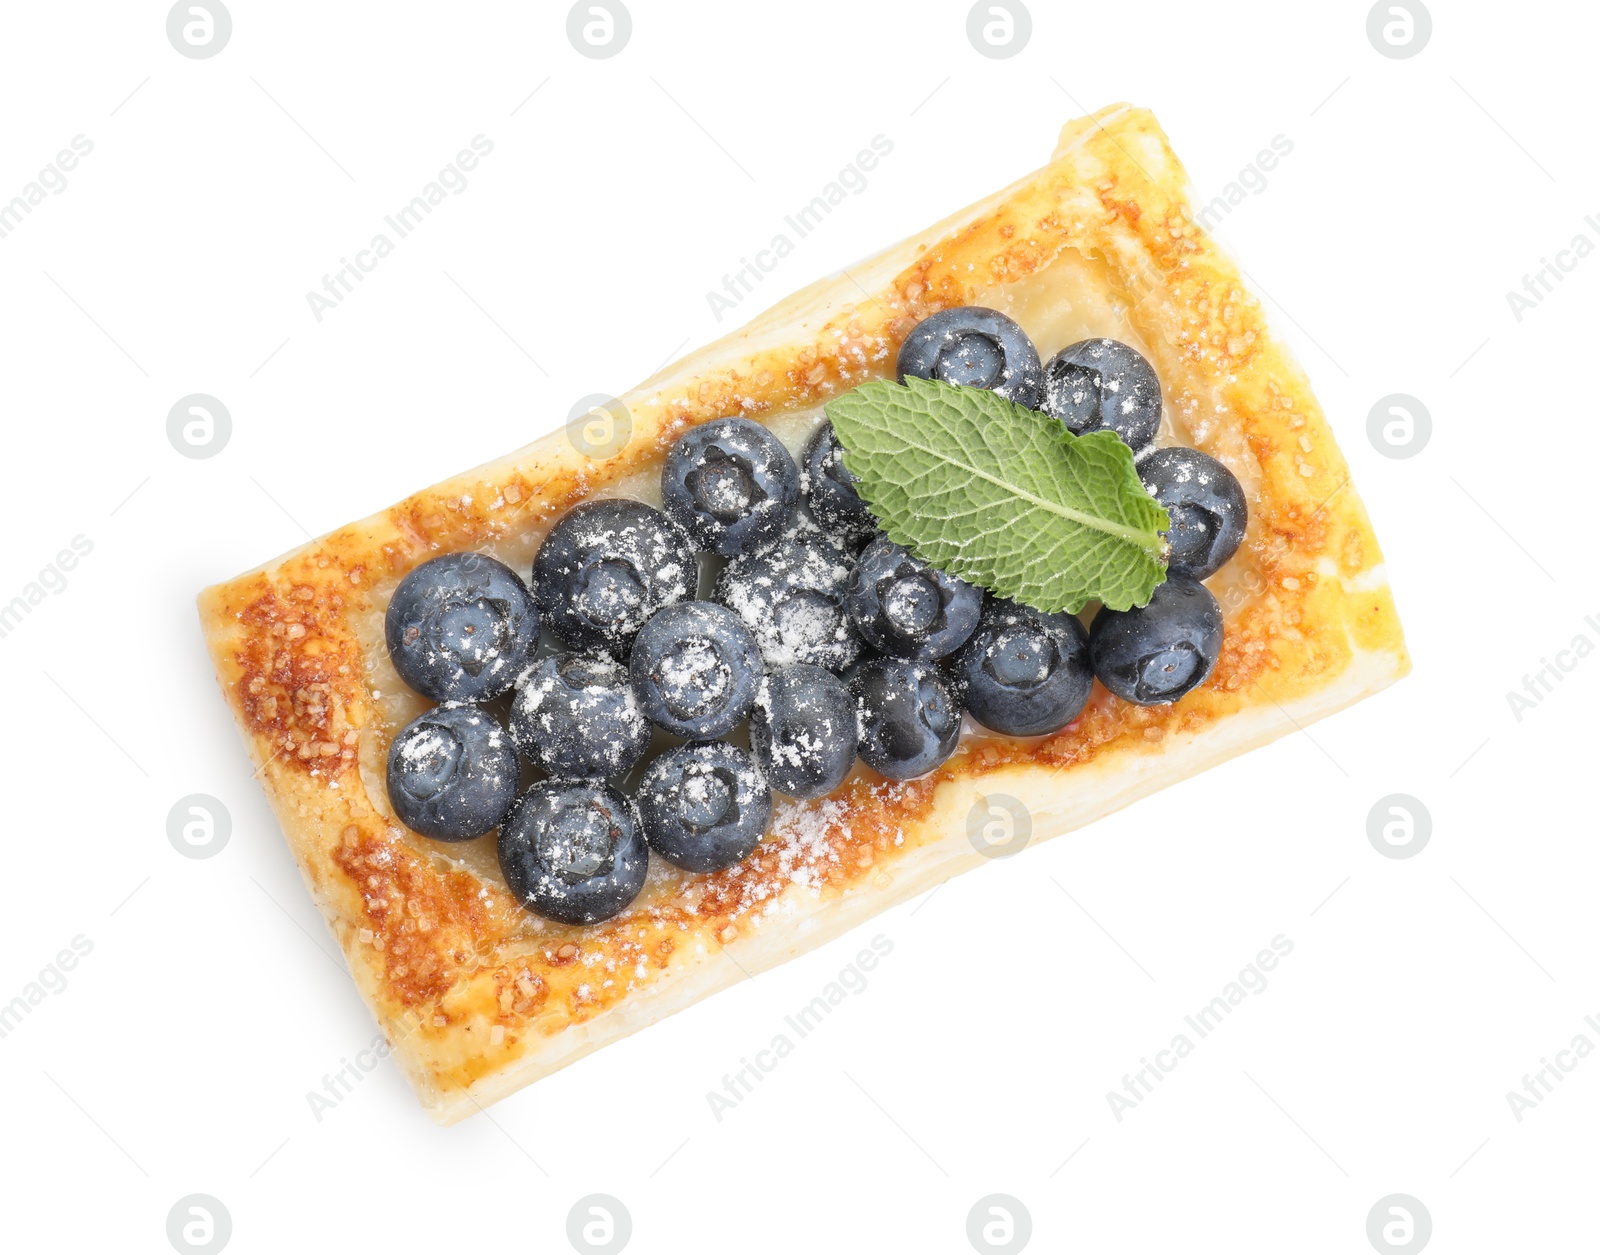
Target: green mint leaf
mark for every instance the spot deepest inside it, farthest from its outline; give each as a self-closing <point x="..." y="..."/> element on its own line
<point x="1003" y="496"/>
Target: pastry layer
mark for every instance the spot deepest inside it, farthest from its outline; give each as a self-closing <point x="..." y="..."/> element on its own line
<point x="477" y="996"/>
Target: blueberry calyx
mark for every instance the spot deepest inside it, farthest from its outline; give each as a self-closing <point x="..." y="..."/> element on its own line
<point x="695" y="669"/>
<point x="572" y="851"/>
<point x="1205" y="504"/>
<point x="1154" y="654"/>
<point x="1023" y="672"/>
<point x="904" y="606"/>
<point x="452" y="773"/>
<point x="731" y="485"/>
<point x="704" y="807"/>
<point x="970" y="346"/>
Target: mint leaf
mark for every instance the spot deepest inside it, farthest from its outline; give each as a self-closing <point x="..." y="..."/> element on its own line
<point x="1003" y="496"/>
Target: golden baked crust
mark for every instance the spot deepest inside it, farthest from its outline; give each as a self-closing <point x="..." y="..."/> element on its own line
<point x="477" y="996"/>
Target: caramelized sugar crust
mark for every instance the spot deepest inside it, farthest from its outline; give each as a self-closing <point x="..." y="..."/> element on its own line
<point x="472" y="990"/>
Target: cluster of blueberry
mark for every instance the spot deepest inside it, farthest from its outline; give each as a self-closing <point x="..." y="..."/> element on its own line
<point x="1153" y="654"/>
<point x="828" y="638"/>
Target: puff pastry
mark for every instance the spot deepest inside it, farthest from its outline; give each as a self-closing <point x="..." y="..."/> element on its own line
<point x="477" y="997"/>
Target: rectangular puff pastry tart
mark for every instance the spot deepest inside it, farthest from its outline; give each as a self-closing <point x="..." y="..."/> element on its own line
<point x="480" y="995"/>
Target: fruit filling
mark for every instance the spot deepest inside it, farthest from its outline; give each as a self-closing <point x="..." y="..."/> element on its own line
<point x="984" y="538"/>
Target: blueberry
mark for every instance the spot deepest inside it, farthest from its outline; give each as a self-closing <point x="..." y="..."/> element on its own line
<point x="452" y="774"/>
<point x="1205" y="503"/>
<point x="794" y="599"/>
<point x="908" y="714"/>
<point x="1104" y="385"/>
<point x="1023" y="672"/>
<point x="904" y="606"/>
<point x="1156" y="653"/>
<point x="606" y="567"/>
<point x="575" y="715"/>
<point x="803" y="731"/>
<point x="695" y="670"/>
<point x="731" y="484"/>
<point x="704" y="807"/>
<point x="572" y="851"/>
<point x="461" y="628"/>
<point x="976" y="348"/>
<point x="830" y="488"/>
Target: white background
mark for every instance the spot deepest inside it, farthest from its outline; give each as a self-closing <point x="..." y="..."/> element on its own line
<point x="177" y="260"/>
